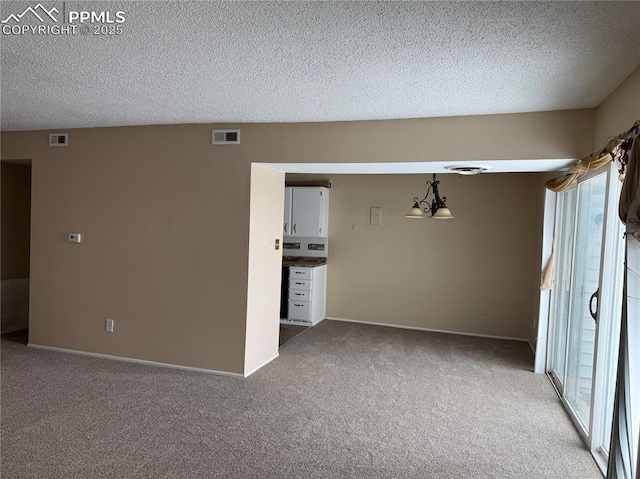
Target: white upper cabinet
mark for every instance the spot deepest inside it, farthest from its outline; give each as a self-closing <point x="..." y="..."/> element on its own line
<point x="306" y="211"/>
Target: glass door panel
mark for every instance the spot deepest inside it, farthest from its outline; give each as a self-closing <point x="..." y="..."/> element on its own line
<point x="608" y="332"/>
<point x="583" y="292"/>
<point x="565" y="227"/>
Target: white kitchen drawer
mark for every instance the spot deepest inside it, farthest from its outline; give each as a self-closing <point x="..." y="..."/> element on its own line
<point x="299" y="310"/>
<point x="300" y="273"/>
<point x="303" y="284"/>
<point x="299" y="295"/>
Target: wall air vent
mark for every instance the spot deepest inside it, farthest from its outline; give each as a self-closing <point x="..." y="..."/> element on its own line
<point x="58" y="139"/>
<point x="468" y="170"/>
<point x="225" y="137"/>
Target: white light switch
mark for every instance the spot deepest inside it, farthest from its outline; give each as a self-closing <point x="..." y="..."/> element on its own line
<point x="375" y="215"/>
<point x="75" y="237"/>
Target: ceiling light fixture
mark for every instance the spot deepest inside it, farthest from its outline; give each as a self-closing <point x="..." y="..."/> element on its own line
<point x="437" y="208"/>
<point x="467" y="170"/>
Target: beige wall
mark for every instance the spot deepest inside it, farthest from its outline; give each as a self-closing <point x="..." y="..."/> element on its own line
<point x="471" y="274"/>
<point x="561" y="134"/>
<point x="16" y="208"/>
<point x="265" y="267"/>
<point x="164" y="251"/>
<point x="165" y="220"/>
<point x="619" y="111"/>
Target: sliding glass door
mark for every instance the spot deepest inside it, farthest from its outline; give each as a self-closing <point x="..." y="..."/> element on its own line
<point x="581" y="330"/>
<point x="585" y="304"/>
<point x="565" y="228"/>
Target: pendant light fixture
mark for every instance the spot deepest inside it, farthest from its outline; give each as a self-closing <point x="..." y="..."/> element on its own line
<point x="437" y="208"/>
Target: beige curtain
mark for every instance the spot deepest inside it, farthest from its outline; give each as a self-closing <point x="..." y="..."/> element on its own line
<point x="629" y="207"/>
<point x="615" y="150"/>
<point x="546" y="279"/>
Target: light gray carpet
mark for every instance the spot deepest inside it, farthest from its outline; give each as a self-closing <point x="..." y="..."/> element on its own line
<point x="342" y="401"/>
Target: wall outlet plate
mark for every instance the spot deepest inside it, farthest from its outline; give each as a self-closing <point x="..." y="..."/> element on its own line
<point x="109" y="325"/>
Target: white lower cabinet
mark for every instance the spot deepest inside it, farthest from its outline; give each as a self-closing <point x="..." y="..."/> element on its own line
<point x="302" y="284"/>
<point x="299" y="295"/>
<point x="299" y="310"/>
<point x="307" y="297"/>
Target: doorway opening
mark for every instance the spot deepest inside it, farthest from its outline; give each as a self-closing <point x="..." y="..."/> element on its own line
<point x="267" y="200"/>
<point x="15" y="249"/>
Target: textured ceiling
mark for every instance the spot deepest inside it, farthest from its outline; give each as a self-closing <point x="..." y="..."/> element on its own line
<point x="202" y="62"/>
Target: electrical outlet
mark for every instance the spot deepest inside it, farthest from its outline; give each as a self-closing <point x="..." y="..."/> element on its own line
<point x="109" y="325"/>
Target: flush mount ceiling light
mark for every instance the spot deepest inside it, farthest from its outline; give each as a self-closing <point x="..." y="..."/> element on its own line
<point x="467" y="170"/>
<point x="437" y="208"/>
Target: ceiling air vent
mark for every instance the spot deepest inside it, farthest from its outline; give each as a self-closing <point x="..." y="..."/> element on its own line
<point x="468" y="170"/>
<point x="58" y="139"/>
<point x="225" y="137"/>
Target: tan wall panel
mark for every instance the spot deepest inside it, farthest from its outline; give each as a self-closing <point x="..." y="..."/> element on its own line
<point x="619" y="111"/>
<point x="561" y="134"/>
<point x="438" y="274"/>
<point x="16" y="214"/>
<point x="165" y="219"/>
<point x="162" y="254"/>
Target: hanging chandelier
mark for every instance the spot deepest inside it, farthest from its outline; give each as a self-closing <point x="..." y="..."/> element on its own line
<point x="437" y="207"/>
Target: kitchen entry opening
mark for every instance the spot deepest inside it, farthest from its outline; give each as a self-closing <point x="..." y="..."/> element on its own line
<point x="585" y="307"/>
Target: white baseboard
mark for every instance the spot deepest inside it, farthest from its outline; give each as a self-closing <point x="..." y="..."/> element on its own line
<point x="427" y="329"/>
<point x="139" y="361"/>
<point x="261" y="366"/>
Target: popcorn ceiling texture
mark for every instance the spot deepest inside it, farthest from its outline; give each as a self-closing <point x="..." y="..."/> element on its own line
<point x="201" y="62"/>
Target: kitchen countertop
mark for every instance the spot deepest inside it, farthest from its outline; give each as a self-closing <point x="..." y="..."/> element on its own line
<point x="303" y="262"/>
